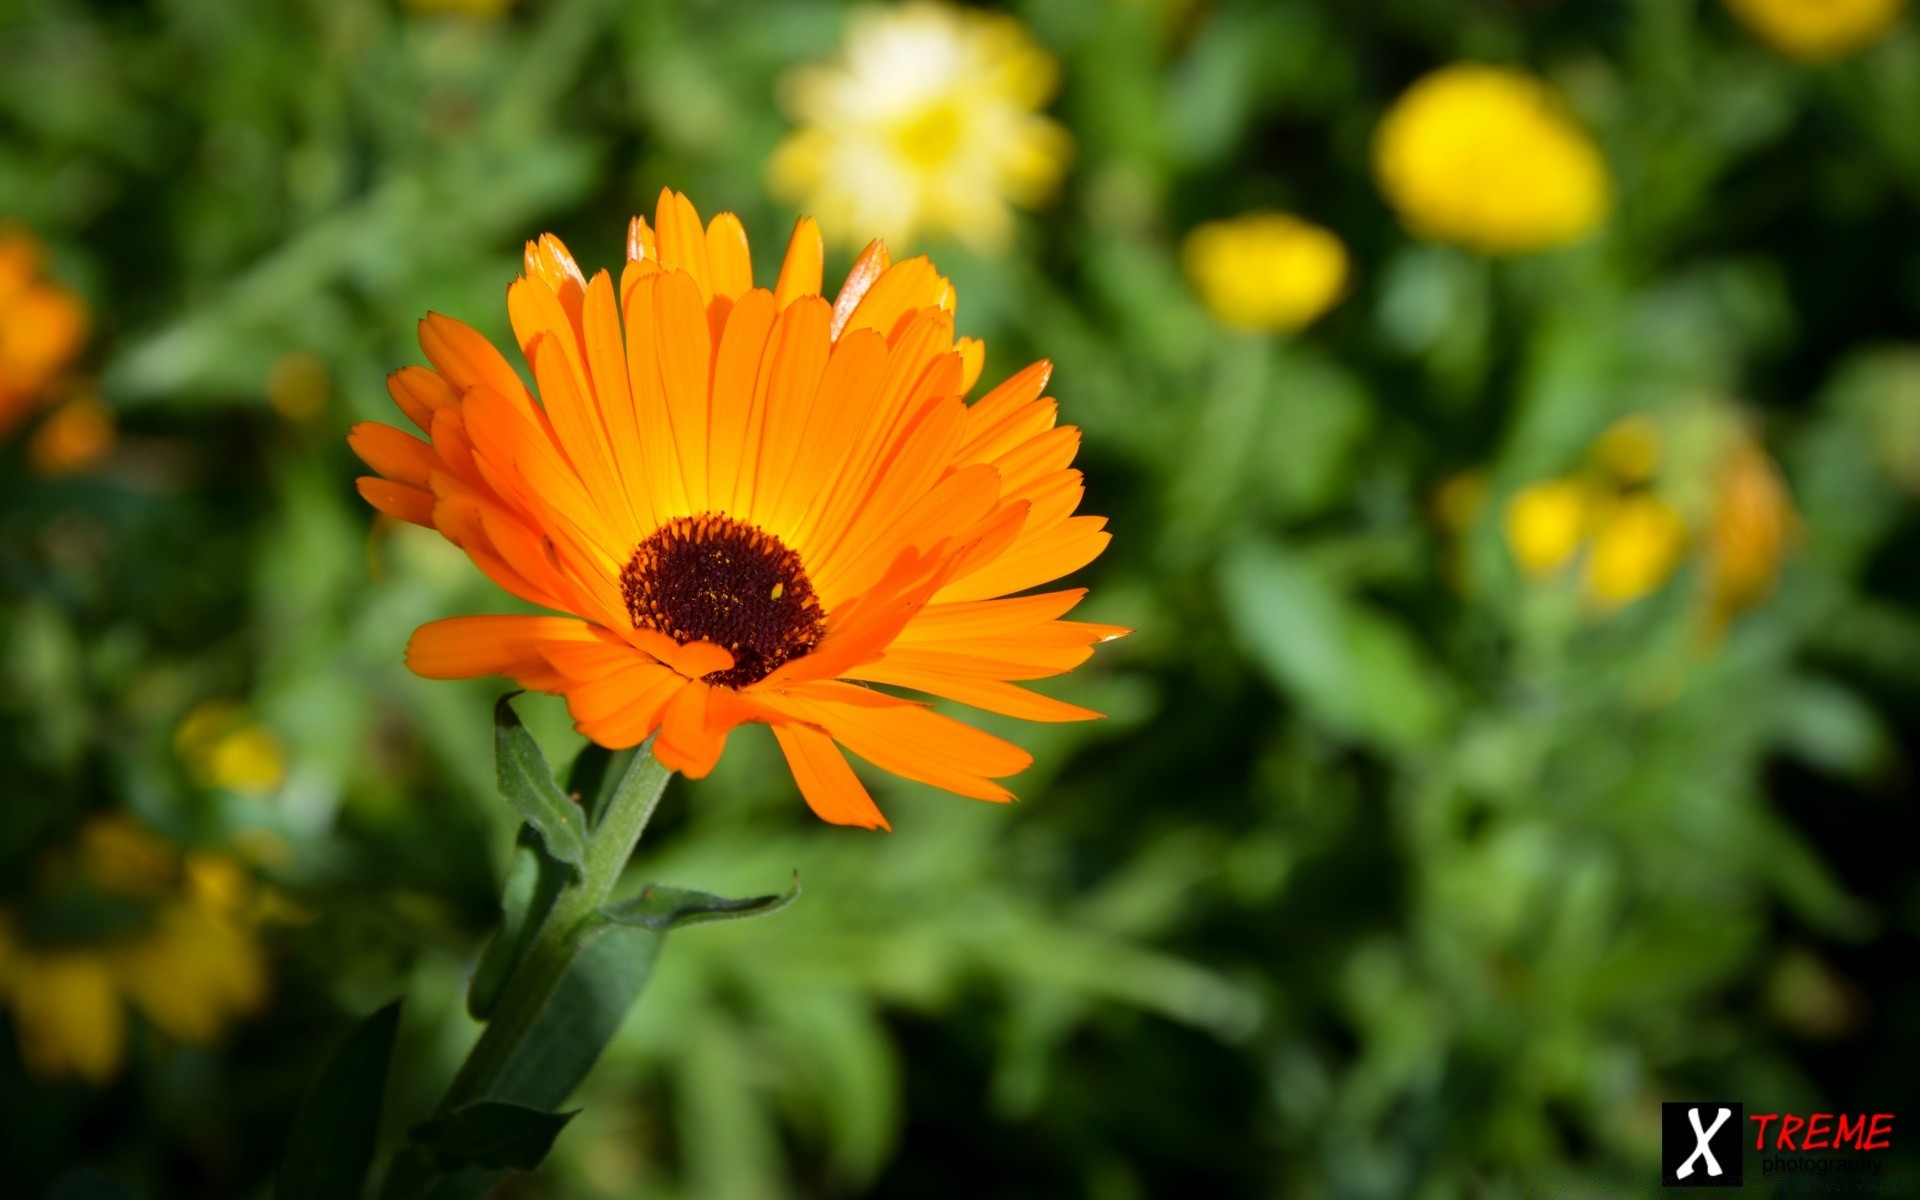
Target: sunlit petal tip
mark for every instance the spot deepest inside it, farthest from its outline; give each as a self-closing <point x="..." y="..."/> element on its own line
<point x="640" y="241"/>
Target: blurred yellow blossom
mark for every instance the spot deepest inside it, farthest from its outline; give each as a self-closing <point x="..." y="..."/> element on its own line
<point x="75" y="436"/>
<point x="178" y="943"/>
<point x="1545" y="523"/>
<point x="1265" y="270"/>
<point x="927" y="124"/>
<point x="222" y="747"/>
<point x="1818" y="30"/>
<point x="41" y="327"/>
<point x="1629" y="449"/>
<point x="1487" y="157"/>
<point x="298" y="384"/>
<point x="1637" y="542"/>
<point x="1722" y="502"/>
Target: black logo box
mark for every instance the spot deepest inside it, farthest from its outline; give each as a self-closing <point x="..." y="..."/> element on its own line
<point x="1679" y="1144"/>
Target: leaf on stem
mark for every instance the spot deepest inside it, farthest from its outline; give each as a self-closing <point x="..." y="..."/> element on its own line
<point x="661" y="908"/>
<point x="331" y="1146"/>
<point x="528" y="785"/>
<point x="490" y="1135"/>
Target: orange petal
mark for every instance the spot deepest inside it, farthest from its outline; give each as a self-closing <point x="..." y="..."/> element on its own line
<point x="469" y="647"/>
<point x="683" y="243"/>
<point x="867" y="268"/>
<point x="420" y="394"/>
<point x="728" y="256"/>
<point x="801" y="272"/>
<point x="397" y="500"/>
<point x="398" y="456"/>
<point x="688" y="742"/>
<point x="829" y="785"/>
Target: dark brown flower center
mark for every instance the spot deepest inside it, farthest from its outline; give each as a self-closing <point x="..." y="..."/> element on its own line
<point x="714" y="579"/>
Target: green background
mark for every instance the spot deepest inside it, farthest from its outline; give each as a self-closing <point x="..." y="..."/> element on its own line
<point x="1388" y="876"/>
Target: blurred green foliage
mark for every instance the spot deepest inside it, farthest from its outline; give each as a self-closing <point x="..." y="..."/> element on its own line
<point x="1391" y="874"/>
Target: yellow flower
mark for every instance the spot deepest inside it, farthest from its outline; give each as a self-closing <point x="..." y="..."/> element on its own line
<point x="1486" y="157"/>
<point x="1749" y="530"/>
<point x="1545" y="522"/>
<point x="928" y="123"/>
<point x="223" y="748"/>
<point x="181" y="949"/>
<point x="1818" y="30"/>
<point x="1265" y="270"/>
<point x="1639" y="542"/>
<point x="1629" y="449"/>
<point x="298" y="384"/>
<point x="74" y="437"/>
<point x="41" y="327"/>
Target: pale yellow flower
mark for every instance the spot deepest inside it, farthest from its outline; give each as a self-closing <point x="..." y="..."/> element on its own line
<point x="928" y="123"/>
<point x="189" y="961"/>
<point x="1488" y="158"/>
<point x="222" y="747"/>
<point x="73" y="437"/>
<point x="1818" y="30"/>
<point x="1265" y="270"/>
<point x="1545" y="522"/>
<point x="1636" y="546"/>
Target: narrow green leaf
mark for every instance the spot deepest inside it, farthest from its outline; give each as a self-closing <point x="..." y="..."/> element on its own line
<point x="491" y="1135"/>
<point x="529" y="786"/>
<point x="535" y="879"/>
<point x="331" y="1146"/>
<point x="661" y="908"/>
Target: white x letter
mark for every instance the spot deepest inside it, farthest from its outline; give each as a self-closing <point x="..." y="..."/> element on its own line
<point x="1700" y="1139"/>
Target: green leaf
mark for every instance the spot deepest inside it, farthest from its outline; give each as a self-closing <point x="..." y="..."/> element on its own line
<point x="535" y="879"/>
<point x="529" y="786"/>
<point x="331" y="1146"/>
<point x="491" y="1135"/>
<point x="575" y="1023"/>
<point x="1351" y="667"/>
<point x="661" y="908"/>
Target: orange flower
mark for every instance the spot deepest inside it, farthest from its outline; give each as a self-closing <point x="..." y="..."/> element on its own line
<point x="751" y="503"/>
<point x="41" y="325"/>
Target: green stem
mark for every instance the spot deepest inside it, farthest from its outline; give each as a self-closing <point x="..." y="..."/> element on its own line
<point x="552" y="953"/>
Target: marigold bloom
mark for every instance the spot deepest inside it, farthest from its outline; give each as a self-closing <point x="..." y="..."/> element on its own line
<point x="185" y="953"/>
<point x="1265" y="270"/>
<point x="222" y="747"/>
<point x="1545" y="523"/>
<point x="41" y="327"/>
<point x="1749" y="530"/>
<point x="750" y="502"/>
<point x="1636" y="546"/>
<point x="928" y="123"/>
<point x="1487" y="157"/>
<point x="1818" y="31"/>
<point x="73" y="437"/>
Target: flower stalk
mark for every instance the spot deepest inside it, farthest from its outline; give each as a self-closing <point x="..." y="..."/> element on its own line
<point x="534" y="983"/>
